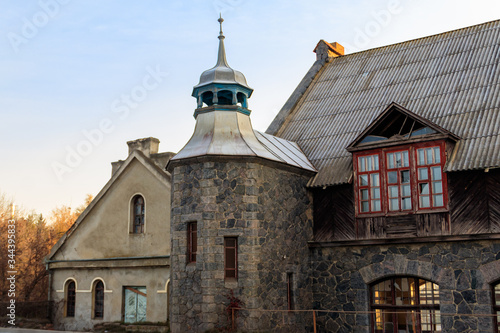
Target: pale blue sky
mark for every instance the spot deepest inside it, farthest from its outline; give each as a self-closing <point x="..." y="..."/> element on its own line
<point x="65" y="66"/>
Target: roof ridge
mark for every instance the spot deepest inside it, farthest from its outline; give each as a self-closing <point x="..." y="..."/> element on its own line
<point x="420" y="38"/>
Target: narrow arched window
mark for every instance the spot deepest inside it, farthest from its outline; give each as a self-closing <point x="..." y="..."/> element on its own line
<point x="99" y="300"/>
<point x="70" y="298"/>
<point x="405" y="304"/>
<point x="138" y="213"/>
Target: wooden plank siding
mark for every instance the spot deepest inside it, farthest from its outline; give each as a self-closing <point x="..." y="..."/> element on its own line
<point x="474" y="208"/>
<point x="468" y="202"/>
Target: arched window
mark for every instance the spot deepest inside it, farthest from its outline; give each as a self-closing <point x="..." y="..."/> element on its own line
<point x="496" y="305"/>
<point x="405" y="304"/>
<point x="98" y="299"/>
<point x="138" y="212"/>
<point x="70" y="298"/>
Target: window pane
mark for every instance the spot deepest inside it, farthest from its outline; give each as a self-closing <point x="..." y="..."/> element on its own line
<point x="393" y="204"/>
<point x="437" y="187"/>
<point x="364" y="194"/>
<point x="375" y="163"/>
<point x="363" y="180"/>
<point x="425" y="201"/>
<point x="421" y="157"/>
<point x="438" y="200"/>
<point x="376" y="193"/>
<point x="423" y="174"/>
<point x="393" y="192"/>
<point x="406" y="203"/>
<point x="437" y="155"/>
<point x="398" y="159"/>
<point x="436" y="173"/>
<point x="424" y="188"/>
<point x="405" y="159"/>
<point x="375" y="179"/>
<point x="376" y="206"/>
<point x="361" y="163"/>
<point x="392" y="177"/>
<point x="428" y="152"/>
<point x="390" y="161"/>
<point x="405" y="176"/>
<point x="405" y="190"/>
<point x="365" y="206"/>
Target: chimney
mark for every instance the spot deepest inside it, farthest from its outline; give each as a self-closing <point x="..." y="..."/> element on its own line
<point x="147" y="146"/>
<point x="325" y="50"/>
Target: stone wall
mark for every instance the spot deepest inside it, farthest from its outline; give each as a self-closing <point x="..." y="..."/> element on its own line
<point x="464" y="272"/>
<point x="269" y="210"/>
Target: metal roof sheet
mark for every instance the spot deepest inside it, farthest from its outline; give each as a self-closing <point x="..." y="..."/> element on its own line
<point x="451" y="79"/>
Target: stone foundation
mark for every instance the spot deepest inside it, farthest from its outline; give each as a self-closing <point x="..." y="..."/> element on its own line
<point x="464" y="272"/>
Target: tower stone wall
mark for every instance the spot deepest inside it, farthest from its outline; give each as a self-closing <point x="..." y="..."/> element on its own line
<point x="267" y="207"/>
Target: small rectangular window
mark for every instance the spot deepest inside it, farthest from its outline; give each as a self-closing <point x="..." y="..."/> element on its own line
<point x="231" y="257"/>
<point x="192" y="241"/>
<point x="289" y="278"/>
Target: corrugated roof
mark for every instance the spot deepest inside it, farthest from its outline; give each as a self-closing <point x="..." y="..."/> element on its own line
<point x="451" y="79"/>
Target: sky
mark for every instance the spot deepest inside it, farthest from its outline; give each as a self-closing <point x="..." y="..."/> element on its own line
<point x="80" y="78"/>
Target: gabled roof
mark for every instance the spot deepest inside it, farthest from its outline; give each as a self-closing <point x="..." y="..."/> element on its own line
<point x="162" y="176"/>
<point x="397" y="125"/>
<point x="451" y="79"/>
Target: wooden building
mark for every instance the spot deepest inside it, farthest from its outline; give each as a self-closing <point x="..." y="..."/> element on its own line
<point x="406" y="141"/>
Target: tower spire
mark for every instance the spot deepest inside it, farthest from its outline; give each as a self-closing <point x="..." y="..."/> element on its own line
<point x="221" y="56"/>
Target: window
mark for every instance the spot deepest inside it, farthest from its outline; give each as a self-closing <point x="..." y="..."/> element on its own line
<point x="70" y="298"/>
<point x="401" y="180"/>
<point x="230" y="257"/>
<point x="138" y="212"/>
<point x="496" y="306"/>
<point x="98" y="299"/>
<point x="289" y="283"/>
<point x="405" y="304"/>
<point x="369" y="184"/>
<point x="135" y="304"/>
<point x="192" y="241"/>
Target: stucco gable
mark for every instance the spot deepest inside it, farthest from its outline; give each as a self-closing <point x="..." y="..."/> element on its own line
<point x="137" y="171"/>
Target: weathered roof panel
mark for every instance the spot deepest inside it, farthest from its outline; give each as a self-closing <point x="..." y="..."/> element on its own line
<point x="451" y="79"/>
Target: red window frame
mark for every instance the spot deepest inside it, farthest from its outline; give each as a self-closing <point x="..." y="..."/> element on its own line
<point x="230" y="257"/>
<point x="368" y="180"/>
<point x="192" y="241"/>
<point x="420" y="188"/>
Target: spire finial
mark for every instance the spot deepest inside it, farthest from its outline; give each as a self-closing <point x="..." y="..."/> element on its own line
<point x="220" y="22"/>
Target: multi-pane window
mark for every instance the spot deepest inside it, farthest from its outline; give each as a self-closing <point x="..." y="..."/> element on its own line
<point x="398" y="181"/>
<point x="496" y="306"/>
<point x="138" y="214"/>
<point x="231" y="257"/>
<point x="430" y="179"/>
<point x="99" y="300"/>
<point x="401" y="180"/>
<point x="405" y="304"/>
<point x="369" y="184"/>
<point x="70" y="298"/>
<point x="192" y="241"/>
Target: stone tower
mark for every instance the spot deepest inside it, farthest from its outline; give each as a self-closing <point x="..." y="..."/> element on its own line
<point x="241" y="215"/>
